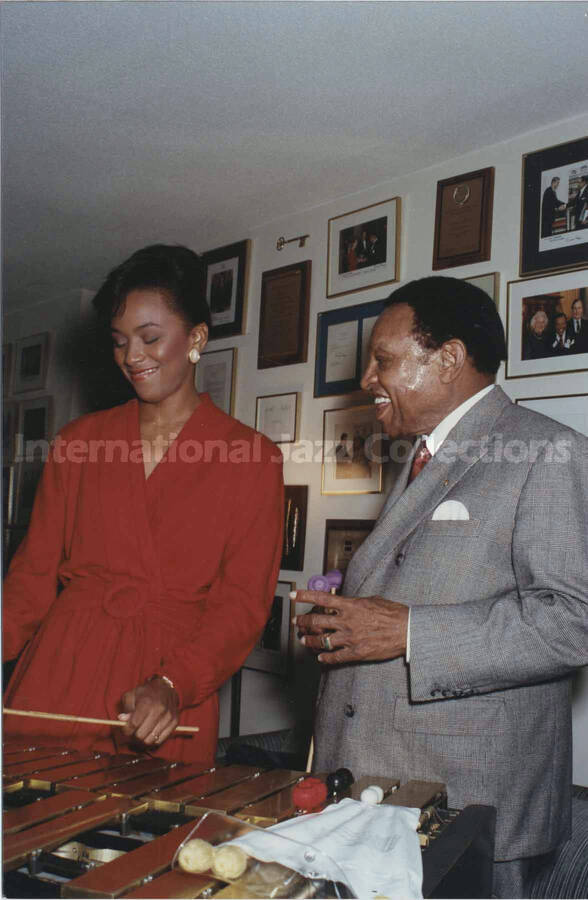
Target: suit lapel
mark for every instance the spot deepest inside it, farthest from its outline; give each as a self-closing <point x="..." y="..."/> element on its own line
<point x="408" y="505"/>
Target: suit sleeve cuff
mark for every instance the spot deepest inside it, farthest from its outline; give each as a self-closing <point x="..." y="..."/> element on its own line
<point x="407" y="651"/>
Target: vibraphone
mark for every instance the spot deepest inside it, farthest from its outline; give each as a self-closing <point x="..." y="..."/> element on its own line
<point x="94" y="825"/>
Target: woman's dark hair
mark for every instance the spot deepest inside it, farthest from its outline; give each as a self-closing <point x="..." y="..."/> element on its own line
<point x="176" y="271"/>
<point x="446" y="308"/>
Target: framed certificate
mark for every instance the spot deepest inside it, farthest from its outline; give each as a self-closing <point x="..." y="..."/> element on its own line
<point x="276" y="416"/>
<point x="342" y="345"/>
<point x="283" y="327"/>
<point x="215" y="375"/>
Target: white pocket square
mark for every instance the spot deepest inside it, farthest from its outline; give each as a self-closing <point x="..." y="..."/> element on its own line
<point x="451" y="509"/>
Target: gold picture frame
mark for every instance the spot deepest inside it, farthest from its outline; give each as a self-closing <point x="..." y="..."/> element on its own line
<point x="352" y="451"/>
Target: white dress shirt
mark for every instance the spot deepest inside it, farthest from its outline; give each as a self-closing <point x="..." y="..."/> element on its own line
<point x="434" y="441"/>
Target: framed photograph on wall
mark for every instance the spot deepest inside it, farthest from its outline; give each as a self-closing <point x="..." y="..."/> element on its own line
<point x="352" y="451"/>
<point x="271" y="653"/>
<point x="31" y="363"/>
<point x="215" y="375"/>
<point x="487" y="283"/>
<point x="276" y="416"/>
<point x="283" y="324"/>
<point x="227" y="273"/>
<point x="342" y="344"/>
<point x="364" y="248"/>
<point x="568" y="409"/>
<point x="35" y="423"/>
<point x="547" y="325"/>
<point x="463" y="219"/>
<point x="295" y="508"/>
<point x="554" y="208"/>
<point x="342" y="538"/>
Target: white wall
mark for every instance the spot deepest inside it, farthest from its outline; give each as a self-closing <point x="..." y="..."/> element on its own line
<point x="265" y="703"/>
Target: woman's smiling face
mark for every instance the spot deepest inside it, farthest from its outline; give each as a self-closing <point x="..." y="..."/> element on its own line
<point x="151" y="346"/>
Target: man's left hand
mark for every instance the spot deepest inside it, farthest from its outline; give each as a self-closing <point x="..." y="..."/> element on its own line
<point x="354" y="629"/>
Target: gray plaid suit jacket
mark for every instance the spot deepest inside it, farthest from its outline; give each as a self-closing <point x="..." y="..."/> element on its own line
<point x="499" y="607"/>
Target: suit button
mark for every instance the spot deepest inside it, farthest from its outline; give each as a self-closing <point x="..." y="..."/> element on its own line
<point x="349" y="710"/>
<point x="399" y="558"/>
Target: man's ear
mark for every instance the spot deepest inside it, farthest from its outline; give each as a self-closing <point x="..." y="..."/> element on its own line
<point x="453" y="355"/>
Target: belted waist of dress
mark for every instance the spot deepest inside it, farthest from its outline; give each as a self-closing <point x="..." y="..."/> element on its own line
<point x="125" y="596"/>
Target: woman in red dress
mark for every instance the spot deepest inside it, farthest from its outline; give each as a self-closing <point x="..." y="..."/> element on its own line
<point x="149" y="567"/>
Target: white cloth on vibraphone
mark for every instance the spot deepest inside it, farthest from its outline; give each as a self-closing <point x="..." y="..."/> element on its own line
<point x="375" y="847"/>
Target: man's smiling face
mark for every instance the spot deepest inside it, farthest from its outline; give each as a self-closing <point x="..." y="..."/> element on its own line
<point x="403" y="377"/>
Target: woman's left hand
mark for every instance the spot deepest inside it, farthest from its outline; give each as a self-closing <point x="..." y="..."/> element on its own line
<point x="150" y="711"/>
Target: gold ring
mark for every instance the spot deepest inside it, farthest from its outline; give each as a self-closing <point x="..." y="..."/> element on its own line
<point x="156" y="738"/>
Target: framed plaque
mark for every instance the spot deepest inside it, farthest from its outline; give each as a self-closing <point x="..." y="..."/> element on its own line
<point x="283" y="326"/>
<point x="463" y="219"/>
<point x="227" y="271"/>
<point x="554" y="208"/>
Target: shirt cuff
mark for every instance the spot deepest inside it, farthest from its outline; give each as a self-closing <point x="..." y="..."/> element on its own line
<point x="407" y="651"/>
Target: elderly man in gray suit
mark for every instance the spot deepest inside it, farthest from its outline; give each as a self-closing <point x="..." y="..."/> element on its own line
<point x="464" y="613"/>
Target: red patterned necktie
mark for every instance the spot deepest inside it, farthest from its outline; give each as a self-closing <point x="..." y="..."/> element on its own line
<point x="421" y="458"/>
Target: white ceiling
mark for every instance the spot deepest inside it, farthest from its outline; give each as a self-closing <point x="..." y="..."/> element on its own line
<point x="127" y="122"/>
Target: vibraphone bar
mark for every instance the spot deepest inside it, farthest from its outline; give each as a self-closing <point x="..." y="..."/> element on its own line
<point x="94" y="825"/>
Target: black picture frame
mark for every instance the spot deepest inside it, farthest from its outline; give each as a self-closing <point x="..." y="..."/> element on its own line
<point x="32" y="362"/>
<point x="567" y="247"/>
<point x="272" y="651"/>
<point x="347" y="315"/>
<point x="295" y="508"/>
<point x="342" y="538"/>
<point x="227" y="276"/>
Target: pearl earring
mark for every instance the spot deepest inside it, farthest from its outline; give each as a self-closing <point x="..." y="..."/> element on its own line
<point x="193" y="355"/>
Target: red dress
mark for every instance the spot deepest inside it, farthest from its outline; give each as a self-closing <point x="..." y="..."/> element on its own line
<point x="173" y="574"/>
